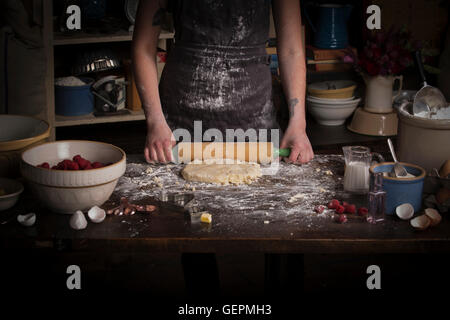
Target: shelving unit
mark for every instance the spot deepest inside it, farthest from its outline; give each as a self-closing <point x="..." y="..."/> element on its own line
<point x="53" y="39"/>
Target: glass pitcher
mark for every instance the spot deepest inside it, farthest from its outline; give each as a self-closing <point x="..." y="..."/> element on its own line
<point x="357" y="163"/>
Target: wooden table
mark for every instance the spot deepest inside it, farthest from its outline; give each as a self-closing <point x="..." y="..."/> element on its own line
<point x="171" y="231"/>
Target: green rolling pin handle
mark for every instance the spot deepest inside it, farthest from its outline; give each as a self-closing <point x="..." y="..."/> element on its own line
<point x="282" y="152"/>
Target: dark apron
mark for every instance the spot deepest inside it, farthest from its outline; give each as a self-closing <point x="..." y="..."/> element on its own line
<point x="218" y="69"/>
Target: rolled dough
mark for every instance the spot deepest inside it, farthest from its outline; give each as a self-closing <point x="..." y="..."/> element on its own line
<point x="222" y="171"/>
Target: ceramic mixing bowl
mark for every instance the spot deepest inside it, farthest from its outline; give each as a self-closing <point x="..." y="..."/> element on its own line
<point x="335" y="89"/>
<point x="16" y="134"/>
<point x="12" y="190"/>
<point x="67" y="191"/>
<point x="331" y="113"/>
<point x="401" y="190"/>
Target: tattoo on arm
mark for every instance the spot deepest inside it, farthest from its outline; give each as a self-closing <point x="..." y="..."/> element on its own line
<point x="291" y="105"/>
<point x="158" y="17"/>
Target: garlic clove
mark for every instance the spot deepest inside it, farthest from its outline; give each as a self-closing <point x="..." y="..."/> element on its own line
<point x="433" y="215"/>
<point x="405" y="211"/>
<point x="78" y="221"/>
<point x="96" y="214"/>
<point x="421" y="222"/>
<point x="27" y="220"/>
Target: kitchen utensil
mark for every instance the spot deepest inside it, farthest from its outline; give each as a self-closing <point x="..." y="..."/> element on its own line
<point x="338" y="89"/>
<point x="69" y="191"/>
<point x="428" y="99"/>
<point x="421" y="140"/>
<point x="398" y="170"/>
<point x="261" y="152"/>
<point x="95" y="60"/>
<point x="330" y="29"/>
<point x="12" y="189"/>
<point x="330" y="113"/>
<point x="401" y="190"/>
<point x="357" y="163"/>
<point x="374" y="124"/>
<point x="110" y="93"/>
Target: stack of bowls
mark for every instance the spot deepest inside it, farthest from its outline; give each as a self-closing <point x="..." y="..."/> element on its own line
<point x="331" y="102"/>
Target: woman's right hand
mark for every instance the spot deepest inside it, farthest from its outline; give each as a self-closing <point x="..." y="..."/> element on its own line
<point x="159" y="142"/>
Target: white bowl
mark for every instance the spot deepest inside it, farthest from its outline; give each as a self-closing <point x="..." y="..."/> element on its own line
<point x="330" y="113"/>
<point x="13" y="189"/>
<point x="69" y="191"/>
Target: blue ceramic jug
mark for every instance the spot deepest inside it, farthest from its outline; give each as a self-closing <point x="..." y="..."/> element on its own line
<point x="330" y="30"/>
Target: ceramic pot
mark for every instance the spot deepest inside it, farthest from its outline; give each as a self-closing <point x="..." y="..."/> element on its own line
<point x="379" y="93"/>
<point x="401" y="190"/>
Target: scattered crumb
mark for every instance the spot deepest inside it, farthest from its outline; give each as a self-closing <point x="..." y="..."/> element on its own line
<point x="317" y="169"/>
<point x="148" y="170"/>
<point x="193" y="188"/>
<point x="296" y="197"/>
<point x="266" y="221"/>
<point x="177" y="183"/>
<point x="187" y="186"/>
<point x="322" y="190"/>
<point x="328" y="172"/>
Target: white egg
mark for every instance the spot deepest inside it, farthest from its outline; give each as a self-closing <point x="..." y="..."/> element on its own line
<point x="96" y="214"/>
<point x="421" y="222"/>
<point x="405" y="211"/>
<point x="27" y="220"/>
<point x="433" y="215"/>
<point x="78" y="221"/>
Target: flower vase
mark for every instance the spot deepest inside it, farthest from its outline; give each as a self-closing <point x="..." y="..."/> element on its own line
<point x="379" y="93"/>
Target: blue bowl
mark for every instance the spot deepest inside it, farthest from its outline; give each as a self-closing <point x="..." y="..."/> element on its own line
<point x="399" y="191"/>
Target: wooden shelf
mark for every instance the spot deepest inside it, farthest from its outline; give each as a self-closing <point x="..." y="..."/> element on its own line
<point x="60" y="39"/>
<point x="62" y="121"/>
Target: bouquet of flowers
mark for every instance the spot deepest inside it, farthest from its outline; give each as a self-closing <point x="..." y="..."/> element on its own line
<point x="385" y="53"/>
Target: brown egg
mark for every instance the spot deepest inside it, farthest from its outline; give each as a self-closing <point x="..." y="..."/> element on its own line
<point x="443" y="195"/>
<point x="444" y="171"/>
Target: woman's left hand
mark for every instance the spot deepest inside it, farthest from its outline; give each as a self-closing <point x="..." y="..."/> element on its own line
<point x="295" y="138"/>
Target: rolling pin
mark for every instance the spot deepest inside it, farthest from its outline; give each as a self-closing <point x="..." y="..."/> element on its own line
<point x="260" y="152"/>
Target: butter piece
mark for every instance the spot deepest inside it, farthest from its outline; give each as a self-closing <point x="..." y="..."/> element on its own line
<point x="206" y="218"/>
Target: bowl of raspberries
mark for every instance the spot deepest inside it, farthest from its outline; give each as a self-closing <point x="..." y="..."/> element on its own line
<point x="66" y="176"/>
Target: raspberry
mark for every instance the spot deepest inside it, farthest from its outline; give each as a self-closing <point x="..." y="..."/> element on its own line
<point x="96" y="165"/>
<point x="73" y="166"/>
<point x="44" y="165"/>
<point x="350" y="208"/>
<point x="344" y="203"/>
<point x="340" y="209"/>
<point x="362" y="211"/>
<point x="333" y="204"/>
<point x="88" y="166"/>
<point x="319" y="209"/>
<point x="340" y="218"/>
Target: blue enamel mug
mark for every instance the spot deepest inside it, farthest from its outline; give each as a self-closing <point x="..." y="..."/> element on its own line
<point x="401" y="190"/>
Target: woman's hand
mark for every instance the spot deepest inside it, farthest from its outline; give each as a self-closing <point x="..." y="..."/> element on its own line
<point x="159" y="142"/>
<point x="295" y="138"/>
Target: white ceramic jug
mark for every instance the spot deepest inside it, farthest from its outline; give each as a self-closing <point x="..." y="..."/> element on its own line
<point x="379" y="97"/>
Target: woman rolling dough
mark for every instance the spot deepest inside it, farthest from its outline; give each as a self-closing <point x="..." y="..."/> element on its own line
<point x="218" y="71"/>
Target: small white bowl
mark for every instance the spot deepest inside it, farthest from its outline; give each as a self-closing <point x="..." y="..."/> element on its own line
<point x="13" y="189"/>
<point x="330" y="113"/>
<point x="69" y="191"/>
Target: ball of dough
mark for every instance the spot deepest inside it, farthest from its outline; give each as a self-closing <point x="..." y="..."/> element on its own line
<point x="222" y="171"/>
